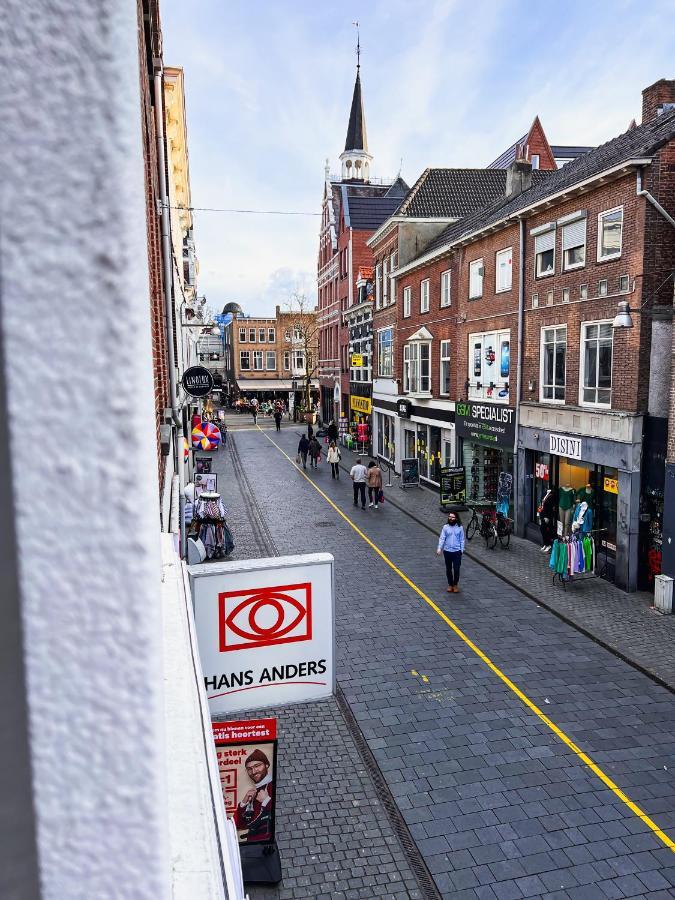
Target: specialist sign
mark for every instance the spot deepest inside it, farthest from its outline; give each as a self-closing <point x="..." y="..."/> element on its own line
<point x="410" y="472"/>
<point x="197" y="381"/>
<point x="453" y="485"/>
<point x="361" y="404"/>
<point x="562" y="445"/>
<point x="247" y="765"/>
<point x="265" y="630"/>
<point x="486" y="423"/>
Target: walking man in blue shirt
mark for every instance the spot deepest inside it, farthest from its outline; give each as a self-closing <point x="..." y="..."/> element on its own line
<point x="451" y="544"/>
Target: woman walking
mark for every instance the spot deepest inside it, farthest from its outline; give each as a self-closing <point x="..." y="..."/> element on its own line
<point x="451" y="544"/>
<point x="333" y="456"/>
<point x="374" y="483"/>
<point x="314" y="452"/>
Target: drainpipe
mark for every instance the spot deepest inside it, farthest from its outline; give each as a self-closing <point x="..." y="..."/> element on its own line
<point x="518" y="478"/>
<point x="167" y="269"/>
<point x="654" y="202"/>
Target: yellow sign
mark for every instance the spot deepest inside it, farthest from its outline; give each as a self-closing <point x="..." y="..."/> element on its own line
<point x="611" y="485"/>
<point x="357" y="360"/>
<point x="361" y="404"/>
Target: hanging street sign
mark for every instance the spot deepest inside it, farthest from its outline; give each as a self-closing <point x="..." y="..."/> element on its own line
<point x="197" y="381"/>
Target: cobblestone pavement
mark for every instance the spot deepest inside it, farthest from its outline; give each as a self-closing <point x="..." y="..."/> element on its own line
<point x="499" y="806"/>
<point x="626" y="623"/>
<point x="335" y="840"/>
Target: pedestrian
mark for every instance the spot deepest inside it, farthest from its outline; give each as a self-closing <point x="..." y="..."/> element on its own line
<point x="254" y="410"/>
<point x="303" y="449"/>
<point x="310" y="431"/>
<point x="314" y="452"/>
<point x="223" y="434"/>
<point x="359" y="475"/>
<point x="451" y="543"/>
<point x="332" y="431"/>
<point x="374" y="483"/>
<point x="277" y="418"/>
<point x="334" y="456"/>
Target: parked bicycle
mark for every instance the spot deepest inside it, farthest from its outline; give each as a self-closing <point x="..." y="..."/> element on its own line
<point x="492" y="527"/>
<point x="504" y="528"/>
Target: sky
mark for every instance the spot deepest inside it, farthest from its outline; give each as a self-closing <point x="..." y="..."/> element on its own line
<point x="445" y="83"/>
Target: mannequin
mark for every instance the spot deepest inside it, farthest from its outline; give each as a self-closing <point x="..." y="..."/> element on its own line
<point x="565" y="506"/>
<point x="548" y="515"/>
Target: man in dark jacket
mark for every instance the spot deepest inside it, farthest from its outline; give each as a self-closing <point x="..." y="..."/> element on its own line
<point x="314" y="452"/>
<point x="277" y="418"/>
<point x="332" y="431"/>
<point x="303" y="449"/>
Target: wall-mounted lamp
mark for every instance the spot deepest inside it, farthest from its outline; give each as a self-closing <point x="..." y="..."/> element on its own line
<point x="479" y="386"/>
<point x="531" y="385"/>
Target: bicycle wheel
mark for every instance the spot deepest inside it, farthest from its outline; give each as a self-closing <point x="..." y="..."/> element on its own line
<point x="472" y="527"/>
<point x="491" y="537"/>
<point x="504" y="535"/>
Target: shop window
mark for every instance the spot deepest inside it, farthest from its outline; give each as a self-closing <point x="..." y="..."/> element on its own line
<point x="445" y="368"/>
<point x="610" y="234"/>
<point x="544" y="253"/>
<point x="270" y="360"/>
<point x="244" y="360"/>
<point x="504" y="260"/>
<point x="553" y="352"/>
<point x="257" y="360"/>
<point x="482" y="465"/>
<point x="574" y="244"/>
<point x="385" y="437"/>
<point x="385" y="353"/>
<point x="417" y="367"/>
<point x="596" y="364"/>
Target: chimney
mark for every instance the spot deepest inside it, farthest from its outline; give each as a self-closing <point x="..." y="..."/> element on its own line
<point x="656" y="99"/>
<point x="518" y="178"/>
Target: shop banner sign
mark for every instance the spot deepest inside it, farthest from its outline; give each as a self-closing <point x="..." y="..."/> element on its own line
<point x="197" y="381"/>
<point x="357" y="360"/>
<point x="562" y="445"/>
<point x="611" y="485"/>
<point x="360" y="404"/>
<point x="265" y="630"/>
<point x="541" y="471"/>
<point x="453" y="485"/>
<point x="404" y="409"/>
<point x="487" y="423"/>
<point x="247" y="764"/>
<point x="410" y="472"/>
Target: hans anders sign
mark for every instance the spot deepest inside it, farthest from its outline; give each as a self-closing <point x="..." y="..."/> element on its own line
<point x="361" y="404"/>
<point x="562" y="445"/>
<point x="486" y="423"/>
<point x="265" y="630"/>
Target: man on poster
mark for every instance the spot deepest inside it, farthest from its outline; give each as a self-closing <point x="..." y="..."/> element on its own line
<point x="255" y="811"/>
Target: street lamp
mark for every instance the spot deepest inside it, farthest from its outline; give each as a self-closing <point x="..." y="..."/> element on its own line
<point x="623" y="318"/>
<point x="233" y="308"/>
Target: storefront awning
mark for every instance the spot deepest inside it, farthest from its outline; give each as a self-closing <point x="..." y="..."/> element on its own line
<point x="272" y="384"/>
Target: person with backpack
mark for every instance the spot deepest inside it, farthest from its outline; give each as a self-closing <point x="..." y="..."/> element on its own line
<point x="451" y="544"/>
<point x="374" y="483"/>
<point x="303" y="449"/>
<point x="334" y="456"/>
<point x="314" y="452"/>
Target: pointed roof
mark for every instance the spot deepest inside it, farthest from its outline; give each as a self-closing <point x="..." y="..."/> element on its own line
<point x="356" y="130"/>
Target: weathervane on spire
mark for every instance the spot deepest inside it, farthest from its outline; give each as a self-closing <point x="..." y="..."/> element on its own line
<point x="358" y="45"/>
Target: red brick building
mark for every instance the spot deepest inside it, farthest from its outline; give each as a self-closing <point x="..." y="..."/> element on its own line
<point x="507" y="324"/>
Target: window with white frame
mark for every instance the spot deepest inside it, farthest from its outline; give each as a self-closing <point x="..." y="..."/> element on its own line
<point x="378" y="285"/>
<point x="287" y="334"/>
<point x="446" y="284"/>
<point x="544" y="253"/>
<point x="553" y="358"/>
<point x="244" y="360"/>
<point x="417" y="367"/>
<point x="261" y="335"/>
<point x="385" y="353"/>
<point x="610" y="233"/>
<point x="476" y="275"/>
<point x="407" y="301"/>
<point x="287" y="360"/>
<point x="393" y="262"/>
<point x="270" y="360"/>
<point x="251" y="335"/>
<point x="242" y="335"/>
<point x="258" y="359"/>
<point x="424" y="295"/>
<point x="445" y="368"/>
<point x="574" y="244"/>
<point x="271" y="335"/>
<point x="596" y="364"/>
<point x="299" y="359"/>
<point x="385" y="283"/>
<point x="504" y="268"/>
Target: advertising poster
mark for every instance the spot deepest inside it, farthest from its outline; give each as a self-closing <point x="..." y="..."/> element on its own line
<point x="265" y="630"/>
<point x="247" y="764"/>
<point x="203" y="465"/>
<point x="410" y="472"/>
<point x="205" y="483"/>
<point x="453" y="485"/>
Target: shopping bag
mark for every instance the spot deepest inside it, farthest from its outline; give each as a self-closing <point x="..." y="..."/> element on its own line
<point x="298" y="459"/>
<point x="381" y="496"/>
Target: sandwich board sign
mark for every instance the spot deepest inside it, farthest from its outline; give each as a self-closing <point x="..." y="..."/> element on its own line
<point x="265" y="630"/>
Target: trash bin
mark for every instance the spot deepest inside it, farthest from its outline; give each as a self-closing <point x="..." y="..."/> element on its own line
<point x="663" y="593"/>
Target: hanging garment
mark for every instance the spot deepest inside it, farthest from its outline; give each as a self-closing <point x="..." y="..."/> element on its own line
<point x="561" y="563"/>
<point x="554" y="554"/>
<point x="587" y="524"/>
<point x="580" y="557"/>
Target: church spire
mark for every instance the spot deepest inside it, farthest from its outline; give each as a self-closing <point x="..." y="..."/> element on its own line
<point x="355" y="158"/>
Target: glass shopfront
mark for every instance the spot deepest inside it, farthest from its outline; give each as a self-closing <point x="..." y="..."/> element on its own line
<point x="483" y="466"/>
<point x="575" y="480"/>
<point x="386" y="442"/>
<point x="428" y="443"/>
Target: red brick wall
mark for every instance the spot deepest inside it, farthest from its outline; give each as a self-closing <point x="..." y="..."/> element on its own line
<point x="390" y="314"/>
<point x="662" y="91"/>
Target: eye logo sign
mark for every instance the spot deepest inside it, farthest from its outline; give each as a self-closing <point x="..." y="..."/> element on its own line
<point x="265" y="616"/>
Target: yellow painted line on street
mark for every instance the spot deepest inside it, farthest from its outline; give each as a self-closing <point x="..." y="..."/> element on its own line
<point x="530" y="704"/>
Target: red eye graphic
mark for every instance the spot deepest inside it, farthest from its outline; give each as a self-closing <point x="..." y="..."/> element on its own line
<point x="260" y="617"/>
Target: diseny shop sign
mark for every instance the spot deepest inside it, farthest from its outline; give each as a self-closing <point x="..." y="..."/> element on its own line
<point x="486" y="423"/>
<point x="265" y="629"/>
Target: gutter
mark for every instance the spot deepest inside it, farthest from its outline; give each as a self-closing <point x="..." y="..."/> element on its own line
<point x="654" y="202"/>
<point x="518" y="480"/>
<point x="550" y="198"/>
<point x="167" y="277"/>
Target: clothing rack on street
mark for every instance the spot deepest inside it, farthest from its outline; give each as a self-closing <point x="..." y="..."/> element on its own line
<point x="564" y="578"/>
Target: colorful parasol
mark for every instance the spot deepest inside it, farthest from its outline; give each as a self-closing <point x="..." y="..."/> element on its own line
<point x="186" y="450"/>
<point x="206" y="436"/>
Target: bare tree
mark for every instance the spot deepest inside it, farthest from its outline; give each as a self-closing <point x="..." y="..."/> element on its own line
<point x="302" y="320"/>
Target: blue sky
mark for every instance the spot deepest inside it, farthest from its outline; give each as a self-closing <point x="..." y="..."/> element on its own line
<point x="269" y="86"/>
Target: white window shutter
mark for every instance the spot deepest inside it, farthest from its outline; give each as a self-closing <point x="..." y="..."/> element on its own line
<point x="574" y="234"/>
<point x="544" y="242"/>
